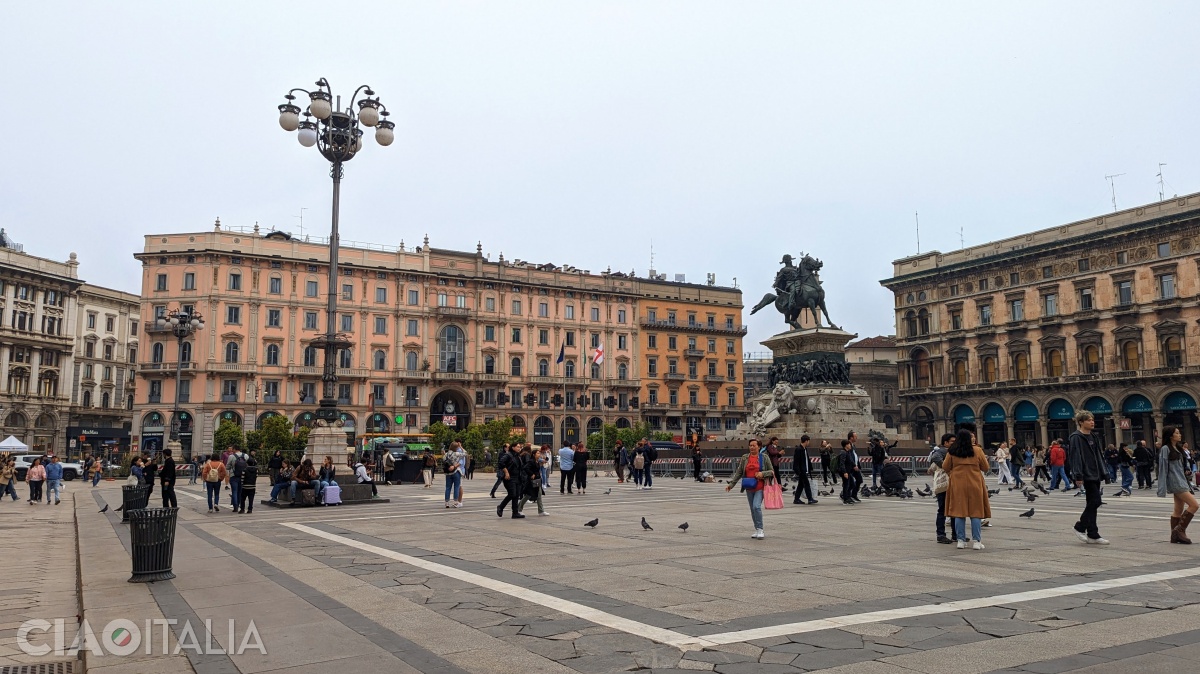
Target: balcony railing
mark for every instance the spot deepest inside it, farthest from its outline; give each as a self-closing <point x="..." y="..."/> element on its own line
<point x="167" y="366"/>
<point x="718" y="328"/>
<point x="693" y="353"/>
<point x="229" y="397"/>
<point x="316" y="371"/>
<point x="453" y="311"/>
<point x="153" y="400"/>
<point x="270" y="399"/>
<point x="493" y="377"/>
<point x="422" y="375"/>
<point x="715" y="378"/>
<point x="232" y="367"/>
<point x="451" y="376"/>
<point x="676" y="376"/>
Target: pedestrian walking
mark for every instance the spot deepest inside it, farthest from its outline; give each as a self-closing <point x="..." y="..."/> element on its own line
<point x="453" y="475"/>
<point x="545" y="458"/>
<point x="428" y="463"/>
<point x="1040" y="456"/>
<point x="249" y="485"/>
<point x="801" y="468"/>
<point x="461" y="457"/>
<point x="1126" y="463"/>
<point x="8" y="478"/>
<point x="149" y="473"/>
<point x="54" y="477"/>
<point x="1144" y="459"/>
<point x="879" y="456"/>
<point x="966" y="496"/>
<point x="1058" y="461"/>
<point x="751" y="473"/>
<point x="847" y="464"/>
<point x="580" y="458"/>
<point x="1112" y="457"/>
<point x="1016" y="460"/>
<point x="35" y="477"/>
<point x="166" y="478"/>
<point x="827" y="461"/>
<point x="856" y="473"/>
<point x="941" y="484"/>
<point x="566" y="466"/>
<point x="651" y="453"/>
<point x="214" y="475"/>
<point x="1001" y="456"/>
<point x="509" y="468"/>
<point x="1086" y="460"/>
<point x="531" y="469"/>
<point x="1175" y="478"/>
<point x="274" y="465"/>
<point x="499" y="478"/>
<point x="620" y="460"/>
<point x="639" y="463"/>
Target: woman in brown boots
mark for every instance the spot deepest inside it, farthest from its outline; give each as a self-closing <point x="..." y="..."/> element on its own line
<point x="1174" y="477"/>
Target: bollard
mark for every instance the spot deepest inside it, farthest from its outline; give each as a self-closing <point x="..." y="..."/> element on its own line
<point x="152" y="543"/>
<point x="133" y="498"/>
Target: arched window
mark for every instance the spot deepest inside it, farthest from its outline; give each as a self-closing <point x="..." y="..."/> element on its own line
<point x="960" y="372"/>
<point x="622" y="371"/>
<point x="1172" y="352"/>
<point x="451" y="350"/>
<point x="595" y="371"/>
<point x="104" y="400"/>
<point x="1054" y="363"/>
<point x="887" y="421"/>
<point x="920" y="369"/>
<point x="185" y="352"/>
<point x="1130" y="357"/>
<point x="156" y="353"/>
<point x="272" y="354"/>
<point x="379" y="360"/>
<point x="910" y="324"/>
<point x="231" y="352"/>
<point x="923" y="322"/>
<point x="1091" y="359"/>
<point x="569" y="368"/>
<point x="87" y="398"/>
<point x="489" y="365"/>
<point x="543" y="368"/>
<point x="410" y="360"/>
<point x="516" y="367"/>
<point x="1021" y="367"/>
<point x="988" y="366"/>
<point x="310" y="356"/>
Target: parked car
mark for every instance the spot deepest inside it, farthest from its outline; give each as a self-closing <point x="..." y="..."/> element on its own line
<point x="71" y="470"/>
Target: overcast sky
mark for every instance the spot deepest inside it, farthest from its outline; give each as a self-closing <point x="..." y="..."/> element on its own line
<point x="580" y="132"/>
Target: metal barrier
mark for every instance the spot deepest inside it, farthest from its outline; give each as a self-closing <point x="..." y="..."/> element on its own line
<point x="152" y="543"/>
<point x="133" y="498"/>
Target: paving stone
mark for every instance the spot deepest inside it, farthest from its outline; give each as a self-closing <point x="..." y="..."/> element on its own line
<point x="1129" y="650"/>
<point x="1064" y="664"/>
<point x="829" y="639"/>
<point x="1002" y="628"/>
<point x="716" y="657"/>
<point x="755" y="668"/>
<point x="776" y="657"/>
<point x="795" y="648"/>
<point x="658" y="658"/>
<point x="951" y="639"/>
<point x="602" y="664"/>
<point x="547" y="628"/>
<point x="600" y="644"/>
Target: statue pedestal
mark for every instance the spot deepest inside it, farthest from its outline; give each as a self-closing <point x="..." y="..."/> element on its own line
<point x="812" y="396"/>
<point x="327" y="440"/>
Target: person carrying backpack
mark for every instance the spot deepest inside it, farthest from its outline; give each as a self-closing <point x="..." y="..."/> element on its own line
<point x="428" y="463"/>
<point x="235" y="467"/>
<point x="214" y="474"/>
<point x="639" y="464"/>
<point x="752" y="472"/>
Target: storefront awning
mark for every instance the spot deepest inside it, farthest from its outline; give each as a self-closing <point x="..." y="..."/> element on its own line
<point x="964" y="415"/>
<point x="1137" y="404"/>
<point x="1179" y="402"/>
<point x="993" y="413"/>
<point x="1060" y="409"/>
<point x="1025" y="411"/>
<point x="1097" y="406"/>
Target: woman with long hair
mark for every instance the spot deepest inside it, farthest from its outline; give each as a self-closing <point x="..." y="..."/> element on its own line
<point x="967" y="495"/>
<point x="1175" y="478"/>
<point x="1002" y="464"/>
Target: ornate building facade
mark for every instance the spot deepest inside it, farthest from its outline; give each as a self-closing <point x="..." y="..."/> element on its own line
<point x="1018" y="334"/>
<point x="439" y="335"/>
<point x="873" y="366"/>
<point x="104" y="371"/>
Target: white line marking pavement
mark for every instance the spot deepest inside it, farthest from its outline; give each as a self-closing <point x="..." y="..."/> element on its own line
<point x="664" y="636"/>
<point x="948" y="607"/>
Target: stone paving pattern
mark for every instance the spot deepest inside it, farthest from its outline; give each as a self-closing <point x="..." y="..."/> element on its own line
<point x="321" y="604"/>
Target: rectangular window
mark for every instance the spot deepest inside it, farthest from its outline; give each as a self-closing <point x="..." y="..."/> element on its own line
<point x="652" y="367"/>
<point x="672" y="343"/>
<point x="653" y="396"/>
<point x="691" y="342"/>
<point x="985" y="314"/>
<point x="692" y="369"/>
<point x="380" y="295"/>
<point x="595" y="340"/>
<point x="1016" y="310"/>
<point x="380" y="325"/>
<point x="571" y="338"/>
<point x="490" y="304"/>
<point x="489" y="333"/>
<point x="271" y="391"/>
<point x="595" y="314"/>
<point x="411" y="395"/>
<point x="672" y="366"/>
<point x="712" y="401"/>
<point x="730" y="371"/>
<point x="1164" y="249"/>
<point x="344" y="394"/>
<point x="569" y="312"/>
<point x="516" y="335"/>
<point x="235" y="281"/>
<point x="460" y="301"/>
<point x="1166" y="287"/>
<point x="1085" y="299"/>
<point x="712" y="367"/>
<point x="1014" y="279"/>
<point x="1050" y="305"/>
<point x="133" y="328"/>
<point x="543" y="336"/>
<point x="1123" y="257"/>
<point x="729" y="346"/>
<point x="310" y="320"/>
<point x="1084" y="264"/>
<point x="274" y="318"/>
<point x="1124" y="293"/>
<point x="651" y="316"/>
<point x="652" y="341"/>
<point x="673" y="398"/>
<point x="954" y="290"/>
<point x="233" y="315"/>
<point x="442" y="300"/>
<point x="620" y="315"/>
<point x="712" y="346"/>
<point x="733" y="398"/>
<point x="1047" y="272"/>
<point x="516" y="307"/>
<point x="275" y="285"/>
<point x="983" y="284"/>
<point x="91" y="321"/>
<point x="543" y="310"/>
<point x="379" y="393"/>
<point x="110" y="323"/>
<point x="347" y="323"/>
<point x="621" y="343"/>
<point x="414" y="297"/>
<point x="310" y="289"/>
<point x="160" y="282"/>
<point x="693" y="397"/>
<point x="348" y="291"/>
<point x="410" y="327"/>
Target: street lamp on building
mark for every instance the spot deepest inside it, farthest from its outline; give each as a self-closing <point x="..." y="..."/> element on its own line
<point x="337" y="135"/>
<point x="182" y="324"/>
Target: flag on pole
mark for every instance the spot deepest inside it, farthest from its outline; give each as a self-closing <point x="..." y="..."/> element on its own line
<point x="562" y="353"/>
<point x="598" y="356"/>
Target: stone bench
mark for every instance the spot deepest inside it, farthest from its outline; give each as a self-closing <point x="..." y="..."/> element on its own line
<point x="352" y="494"/>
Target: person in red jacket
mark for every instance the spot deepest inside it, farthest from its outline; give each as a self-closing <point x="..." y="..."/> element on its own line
<point x="1058" y="459"/>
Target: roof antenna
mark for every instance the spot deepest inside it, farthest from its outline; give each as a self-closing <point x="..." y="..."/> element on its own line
<point x="1162" y="191"/>
<point x="961" y="241"/>
<point x="1113" y="184"/>
<point x="652" y="253"/>
<point x="917" y="217"/>
<point x="301" y="216"/>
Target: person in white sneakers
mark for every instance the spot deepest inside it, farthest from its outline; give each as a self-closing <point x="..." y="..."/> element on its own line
<point x="752" y="473"/>
<point x="1085" y="458"/>
<point x="967" y="496"/>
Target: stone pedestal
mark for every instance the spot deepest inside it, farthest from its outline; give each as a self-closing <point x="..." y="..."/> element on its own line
<point x="816" y="407"/>
<point x="327" y="440"/>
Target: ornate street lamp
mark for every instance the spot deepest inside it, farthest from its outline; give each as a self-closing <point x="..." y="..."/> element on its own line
<point x="338" y="137"/>
<point x="183" y="325"/>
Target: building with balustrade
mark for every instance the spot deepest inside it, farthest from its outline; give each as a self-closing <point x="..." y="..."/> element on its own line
<point x="1017" y="334"/>
<point x="104" y="370"/>
<point x="438" y="334"/>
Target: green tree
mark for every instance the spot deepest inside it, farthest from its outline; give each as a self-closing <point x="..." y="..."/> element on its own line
<point x="662" y="436"/>
<point x="442" y="434"/>
<point x="254" y="441"/>
<point x="276" y="434"/>
<point x="228" y="434"/>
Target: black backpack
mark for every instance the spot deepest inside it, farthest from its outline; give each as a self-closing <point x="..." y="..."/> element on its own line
<point x="239" y="466"/>
<point x="651" y="453"/>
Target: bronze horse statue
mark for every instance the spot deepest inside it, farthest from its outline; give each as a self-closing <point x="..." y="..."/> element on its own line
<point x="798" y="289"/>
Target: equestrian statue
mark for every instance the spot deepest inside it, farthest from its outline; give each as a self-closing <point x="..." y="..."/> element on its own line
<point x="797" y="289"/>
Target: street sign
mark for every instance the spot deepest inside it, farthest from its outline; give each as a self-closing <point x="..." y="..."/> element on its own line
<point x="1124" y="424"/>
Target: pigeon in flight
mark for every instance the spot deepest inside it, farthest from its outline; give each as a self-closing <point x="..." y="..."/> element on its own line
<point x="684" y="526"/>
<point x="104" y="509"/>
<point x="646" y="525"/>
<point x="1027" y="513"/>
<point x="593" y="523"/>
<point x="1041" y="488"/>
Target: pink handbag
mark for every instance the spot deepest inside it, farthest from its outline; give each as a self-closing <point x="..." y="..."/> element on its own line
<point x="773" y="496"/>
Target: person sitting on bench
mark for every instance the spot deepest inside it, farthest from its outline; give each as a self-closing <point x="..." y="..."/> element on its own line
<point x="360" y="472"/>
<point x="305" y="477"/>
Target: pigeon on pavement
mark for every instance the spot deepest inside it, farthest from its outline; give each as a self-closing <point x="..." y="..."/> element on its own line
<point x="104" y="509"/>
<point x="593" y="523"/>
<point x="1041" y="489"/>
<point x="646" y="525"/>
<point x="1027" y="513"/>
<point x="993" y="492"/>
<point x="120" y="508"/>
<point x="684" y="526"/>
<point x="608" y="492"/>
<point x="1031" y="497"/>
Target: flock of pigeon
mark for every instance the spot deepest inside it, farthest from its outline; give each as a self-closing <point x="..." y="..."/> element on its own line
<point x="591" y="524"/>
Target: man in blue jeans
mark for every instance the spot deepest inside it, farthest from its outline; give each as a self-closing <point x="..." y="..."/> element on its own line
<point x="1125" y="464"/>
<point x="54" y="476"/>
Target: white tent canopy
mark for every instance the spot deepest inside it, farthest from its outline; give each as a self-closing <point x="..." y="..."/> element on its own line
<point x="11" y="444"/>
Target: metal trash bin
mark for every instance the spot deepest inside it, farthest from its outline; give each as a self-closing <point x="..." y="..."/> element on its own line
<point x="133" y="498"/>
<point x="152" y="543"/>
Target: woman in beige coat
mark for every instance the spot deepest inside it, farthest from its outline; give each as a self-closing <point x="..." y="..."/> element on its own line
<point x="967" y="496"/>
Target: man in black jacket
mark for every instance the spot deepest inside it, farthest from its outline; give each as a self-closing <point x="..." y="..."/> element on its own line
<point x="509" y="469"/>
<point x="1085" y="456"/>
<point x="936" y="457"/>
<point x="1143" y="459"/>
<point x="167" y="477"/>
<point x="801" y="467"/>
<point x="879" y="455"/>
